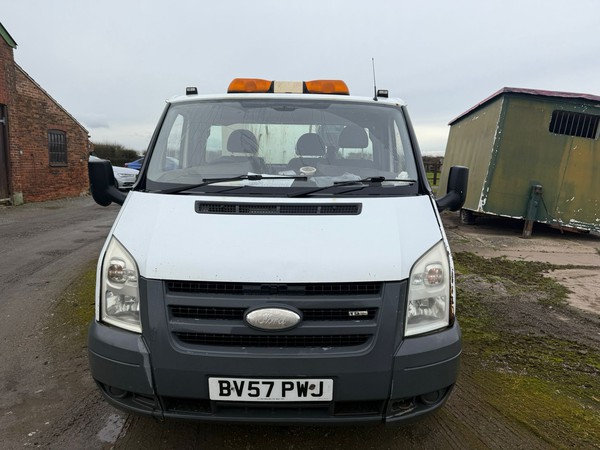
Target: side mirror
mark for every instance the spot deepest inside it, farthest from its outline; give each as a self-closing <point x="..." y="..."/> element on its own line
<point x="102" y="183"/>
<point x="456" y="193"/>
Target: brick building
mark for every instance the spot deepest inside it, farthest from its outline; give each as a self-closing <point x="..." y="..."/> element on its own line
<point x="43" y="149"/>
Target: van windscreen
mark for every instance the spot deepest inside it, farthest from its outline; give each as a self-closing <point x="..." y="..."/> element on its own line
<point x="292" y="143"/>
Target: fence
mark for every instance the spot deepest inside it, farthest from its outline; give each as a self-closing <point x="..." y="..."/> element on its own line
<point x="433" y="169"/>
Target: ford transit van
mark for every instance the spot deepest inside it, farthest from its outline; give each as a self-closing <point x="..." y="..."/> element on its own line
<point x="279" y="259"/>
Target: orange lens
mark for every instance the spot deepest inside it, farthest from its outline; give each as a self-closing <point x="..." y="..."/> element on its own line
<point x="249" y="85"/>
<point x="327" y="87"/>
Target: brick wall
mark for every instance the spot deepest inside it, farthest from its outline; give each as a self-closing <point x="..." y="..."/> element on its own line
<point x="7" y="74"/>
<point x="33" y="113"/>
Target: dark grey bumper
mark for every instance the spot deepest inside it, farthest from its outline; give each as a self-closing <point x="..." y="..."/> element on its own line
<point x="414" y="381"/>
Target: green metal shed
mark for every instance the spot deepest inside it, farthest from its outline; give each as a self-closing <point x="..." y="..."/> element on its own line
<point x="532" y="155"/>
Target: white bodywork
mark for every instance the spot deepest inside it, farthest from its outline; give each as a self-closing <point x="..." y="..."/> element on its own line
<point x="170" y="241"/>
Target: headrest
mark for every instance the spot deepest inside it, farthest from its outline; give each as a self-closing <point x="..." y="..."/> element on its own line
<point x="310" y="144"/>
<point x="353" y="136"/>
<point x="242" y="141"/>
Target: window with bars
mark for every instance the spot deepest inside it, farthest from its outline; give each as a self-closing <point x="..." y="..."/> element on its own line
<point x="57" y="147"/>
<point x="574" y="124"/>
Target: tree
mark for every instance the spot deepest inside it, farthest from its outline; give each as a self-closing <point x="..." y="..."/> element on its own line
<point x="115" y="153"/>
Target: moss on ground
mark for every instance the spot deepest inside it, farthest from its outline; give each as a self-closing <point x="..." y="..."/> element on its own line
<point x="544" y="407"/>
<point x="517" y="275"/>
<point x="75" y="310"/>
<point x="549" y="383"/>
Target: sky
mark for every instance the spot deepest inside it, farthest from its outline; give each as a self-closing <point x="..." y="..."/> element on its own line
<point x="113" y="63"/>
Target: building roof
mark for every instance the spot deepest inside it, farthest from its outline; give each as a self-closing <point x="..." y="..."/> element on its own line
<point x="7" y="37"/>
<point x="533" y="92"/>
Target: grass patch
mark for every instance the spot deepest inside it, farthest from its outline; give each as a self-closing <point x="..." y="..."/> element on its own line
<point x="543" y="407"/>
<point x="433" y="179"/>
<point x="547" y="382"/>
<point x="75" y="309"/>
<point x="517" y="275"/>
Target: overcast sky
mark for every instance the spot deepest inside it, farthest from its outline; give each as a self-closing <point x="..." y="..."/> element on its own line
<point x="112" y="63"/>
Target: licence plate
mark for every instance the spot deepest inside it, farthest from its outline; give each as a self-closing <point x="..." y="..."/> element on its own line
<point x="271" y="390"/>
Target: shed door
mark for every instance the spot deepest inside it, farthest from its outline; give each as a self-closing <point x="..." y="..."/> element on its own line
<point x="578" y="203"/>
<point x="3" y="155"/>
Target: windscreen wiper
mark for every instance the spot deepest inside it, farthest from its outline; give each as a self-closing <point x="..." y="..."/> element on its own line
<point x="363" y="181"/>
<point x="251" y="177"/>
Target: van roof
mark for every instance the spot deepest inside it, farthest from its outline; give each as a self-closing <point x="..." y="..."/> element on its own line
<point x="262" y="96"/>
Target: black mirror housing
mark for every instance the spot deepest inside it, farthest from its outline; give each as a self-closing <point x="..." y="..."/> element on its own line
<point x="102" y="184"/>
<point x="456" y="194"/>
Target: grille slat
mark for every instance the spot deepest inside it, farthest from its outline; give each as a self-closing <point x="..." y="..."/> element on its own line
<point x="309" y="314"/>
<point x="207" y="313"/>
<point x="339" y="314"/>
<point x="328" y="409"/>
<point x="276" y="340"/>
<point x="292" y="289"/>
<point x="302" y="209"/>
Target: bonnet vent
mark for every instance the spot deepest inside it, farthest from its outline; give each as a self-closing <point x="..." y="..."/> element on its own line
<point x="274" y="209"/>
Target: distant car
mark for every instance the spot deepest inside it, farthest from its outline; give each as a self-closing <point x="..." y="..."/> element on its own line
<point x="124" y="176"/>
<point x="137" y="164"/>
<point x="172" y="163"/>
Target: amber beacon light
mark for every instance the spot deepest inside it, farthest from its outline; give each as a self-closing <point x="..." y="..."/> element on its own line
<point x="249" y="85"/>
<point x="257" y="85"/>
<point x="337" y="87"/>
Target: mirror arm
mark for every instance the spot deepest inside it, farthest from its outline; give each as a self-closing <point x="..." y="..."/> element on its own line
<point x="456" y="193"/>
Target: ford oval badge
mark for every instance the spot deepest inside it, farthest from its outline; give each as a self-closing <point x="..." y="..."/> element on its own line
<point x="272" y="318"/>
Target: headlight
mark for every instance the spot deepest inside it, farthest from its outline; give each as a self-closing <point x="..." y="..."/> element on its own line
<point x="429" y="305"/>
<point x="119" y="294"/>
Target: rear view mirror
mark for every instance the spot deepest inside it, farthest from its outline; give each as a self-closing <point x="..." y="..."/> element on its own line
<point x="456" y="193"/>
<point x="102" y="183"/>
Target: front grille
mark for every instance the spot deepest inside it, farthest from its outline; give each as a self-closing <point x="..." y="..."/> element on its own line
<point x="282" y="410"/>
<point x="204" y="315"/>
<point x="279" y="289"/>
<point x="358" y="408"/>
<point x="207" y="313"/>
<point x="339" y="314"/>
<point x="187" y="405"/>
<point x="272" y="340"/>
<point x="224" y="313"/>
<point x="304" y="209"/>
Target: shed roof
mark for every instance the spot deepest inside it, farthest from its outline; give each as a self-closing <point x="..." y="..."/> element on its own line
<point x="533" y="92"/>
<point x="7" y="37"/>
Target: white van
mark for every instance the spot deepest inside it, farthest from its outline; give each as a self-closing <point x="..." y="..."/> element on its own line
<point x="280" y="259"/>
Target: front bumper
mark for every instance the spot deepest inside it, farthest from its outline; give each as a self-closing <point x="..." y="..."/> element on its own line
<point x="416" y="380"/>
